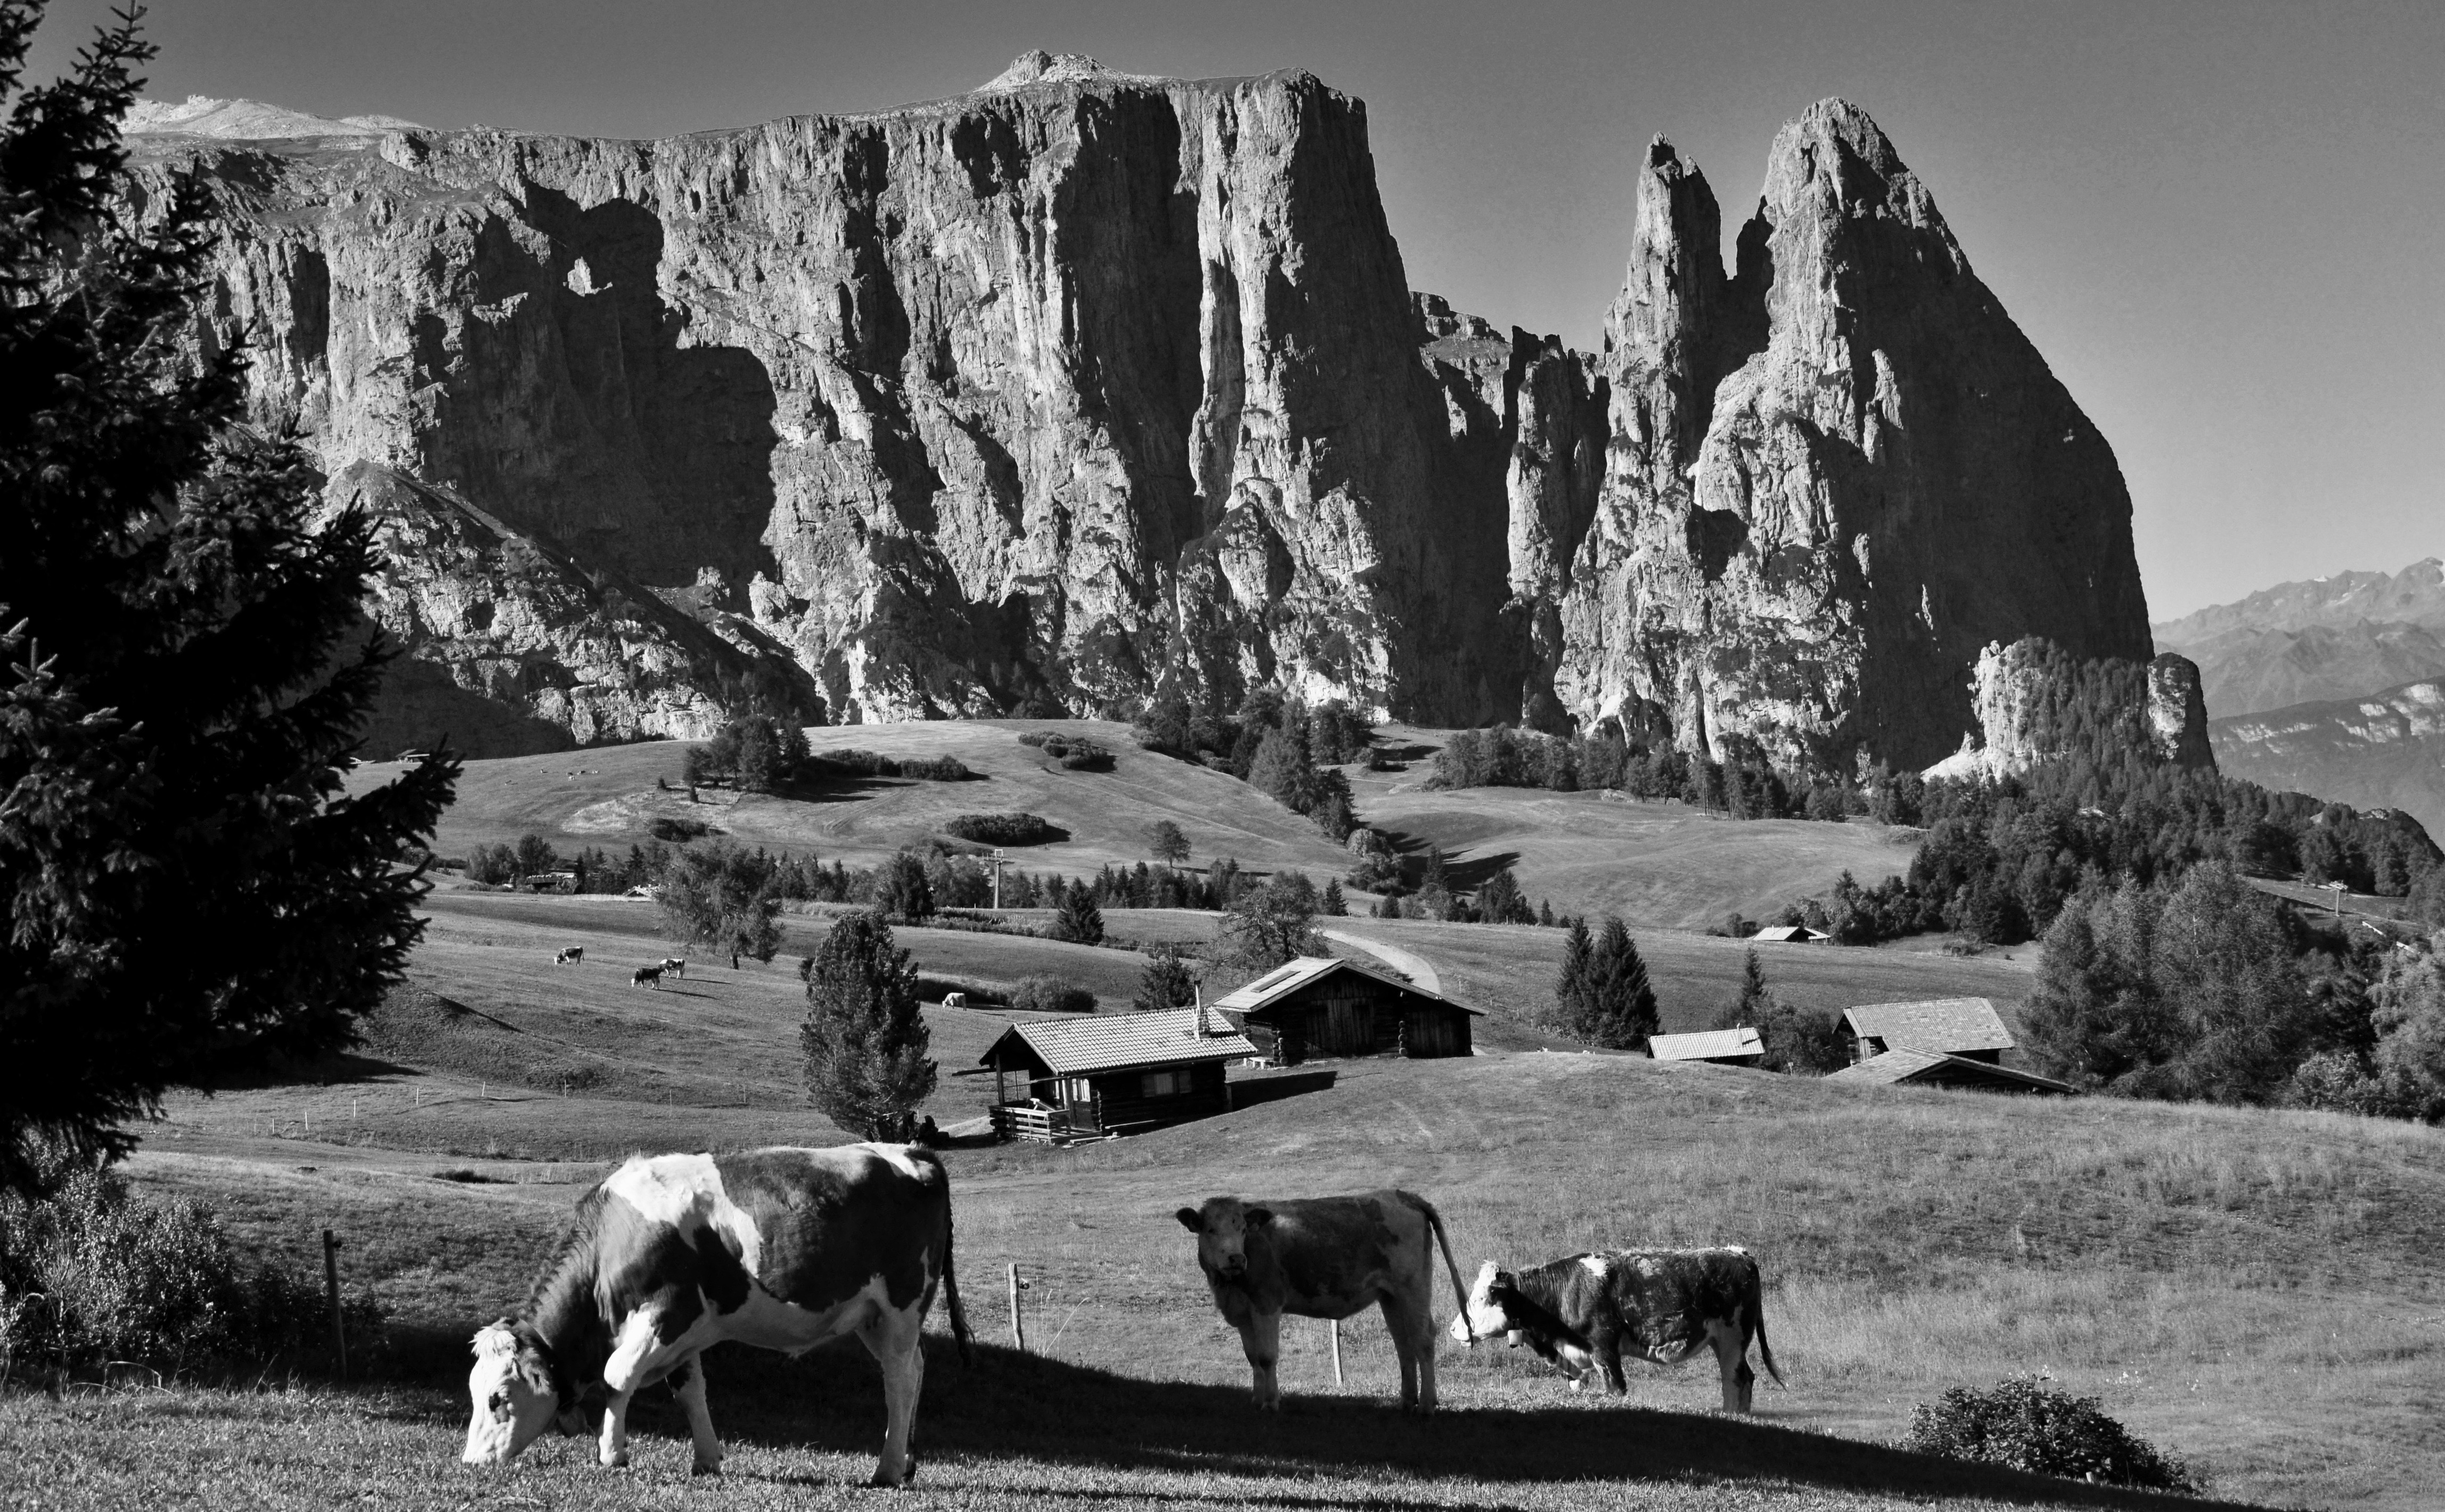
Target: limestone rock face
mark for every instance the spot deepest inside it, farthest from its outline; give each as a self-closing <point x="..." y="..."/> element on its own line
<point x="1832" y="475"/>
<point x="1084" y="386"/>
<point x="1033" y="399"/>
<point x="512" y="648"/>
<point x="2033" y="702"/>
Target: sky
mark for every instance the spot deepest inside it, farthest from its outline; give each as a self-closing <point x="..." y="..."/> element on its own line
<point x="2222" y="223"/>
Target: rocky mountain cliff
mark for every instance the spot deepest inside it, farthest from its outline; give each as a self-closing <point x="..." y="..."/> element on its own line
<point x="1085" y="385"/>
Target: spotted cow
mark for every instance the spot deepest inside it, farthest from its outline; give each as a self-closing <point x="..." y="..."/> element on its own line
<point x="570" y="955"/>
<point x="780" y="1248"/>
<point x="1586" y="1311"/>
<point x="1326" y="1256"/>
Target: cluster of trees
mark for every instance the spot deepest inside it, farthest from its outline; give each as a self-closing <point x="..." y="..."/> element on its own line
<point x="183" y="674"/>
<point x="1074" y="753"/>
<point x="1284" y="749"/>
<point x="1602" y="994"/>
<point x="1007" y="828"/>
<point x="2202" y="989"/>
<point x="1798" y="1040"/>
<point x="1744" y="786"/>
<point x="761" y="753"/>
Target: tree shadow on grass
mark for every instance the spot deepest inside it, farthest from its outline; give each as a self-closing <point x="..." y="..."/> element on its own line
<point x="1025" y="1407"/>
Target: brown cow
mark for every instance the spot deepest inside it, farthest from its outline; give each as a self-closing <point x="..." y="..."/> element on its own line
<point x="1326" y="1256"/>
<point x="1585" y="1312"/>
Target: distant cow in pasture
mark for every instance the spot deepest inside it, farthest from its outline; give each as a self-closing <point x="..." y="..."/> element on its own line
<point x="1326" y="1256"/>
<point x="646" y="976"/>
<point x="782" y="1249"/>
<point x="570" y="955"/>
<point x="676" y="966"/>
<point x="1584" y="1313"/>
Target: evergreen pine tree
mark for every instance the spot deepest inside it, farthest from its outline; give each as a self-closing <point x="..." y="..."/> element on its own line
<point x="1077" y="919"/>
<point x="189" y="892"/>
<point x="1571" y="985"/>
<point x="1622" y="1000"/>
<point x="864" y="1038"/>
<point x="1165" y="983"/>
<point x="1545" y="912"/>
<point x="1334" y="904"/>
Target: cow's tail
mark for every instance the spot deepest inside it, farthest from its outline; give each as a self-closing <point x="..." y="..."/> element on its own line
<point x="1451" y="1267"/>
<point x="1757" y="1313"/>
<point x="959" y="1330"/>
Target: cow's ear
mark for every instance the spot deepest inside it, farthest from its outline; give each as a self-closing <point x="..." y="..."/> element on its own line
<point x="1259" y="1217"/>
<point x="1192" y="1220"/>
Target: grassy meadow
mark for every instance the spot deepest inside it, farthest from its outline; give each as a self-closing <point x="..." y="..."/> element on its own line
<point x="2260" y="1293"/>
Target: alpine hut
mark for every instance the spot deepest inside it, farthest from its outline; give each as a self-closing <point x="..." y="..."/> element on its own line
<point x="1969" y="1028"/>
<point x="1322" y="1005"/>
<point x="1120" y="1073"/>
<point x="1744" y="1046"/>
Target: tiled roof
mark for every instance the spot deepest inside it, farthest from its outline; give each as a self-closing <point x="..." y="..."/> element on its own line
<point x="1706" y="1044"/>
<point x="1896" y="1067"/>
<point x="1949" y="1026"/>
<point x="1117" y="1041"/>
<point x="1283" y="980"/>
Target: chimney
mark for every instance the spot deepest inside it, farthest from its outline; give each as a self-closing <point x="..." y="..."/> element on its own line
<point x="1199" y="988"/>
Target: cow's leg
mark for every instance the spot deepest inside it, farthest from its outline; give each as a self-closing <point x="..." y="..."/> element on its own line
<point x="644" y="1335"/>
<point x="688" y="1381"/>
<point x="1413" y="1341"/>
<point x="1732" y="1360"/>
<point x="895" y="1339"/>
<point x="614" y="1448"/>
<point x="1262" y="1337"/>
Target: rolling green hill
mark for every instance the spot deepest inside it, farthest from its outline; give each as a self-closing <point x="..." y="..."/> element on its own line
<point x="1660" y="864"/>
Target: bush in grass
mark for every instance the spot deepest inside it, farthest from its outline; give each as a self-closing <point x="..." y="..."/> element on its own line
<point x="1074" y="753"/>
<point x="2025" y="1423"/>
<point x="1001" y="829"/>
<point x="1050" y="994"/>
<point x="669" y="830"/>
<point x="92" y="1275"/>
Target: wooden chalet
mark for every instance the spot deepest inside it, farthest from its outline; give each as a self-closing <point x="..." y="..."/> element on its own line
<point x="1116" y="1073"/>
<point x="1908" y="1067"/>
<point x="1787" y="934"/>
<point x="1322" y="1005"/>
<point x="1725" y="1048"/>
<point x="1966" y="1027"/>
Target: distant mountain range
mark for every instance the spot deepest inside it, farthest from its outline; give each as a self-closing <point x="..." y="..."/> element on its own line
<point x="2334" y="687"/>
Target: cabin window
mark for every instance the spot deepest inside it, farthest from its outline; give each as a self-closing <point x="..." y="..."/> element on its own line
<point x="1163" y="1083"/>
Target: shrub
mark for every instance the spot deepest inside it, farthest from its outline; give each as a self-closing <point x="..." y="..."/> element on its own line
<point x="1074" y="753"/>
<point x="2028" y="1425"/>
<point x="1050" y="994"/>
<point x="670" y="831"/>
<point x="93" y="1274"/>
<point x="937" y="769"/>
<point x="1002" y="829"/>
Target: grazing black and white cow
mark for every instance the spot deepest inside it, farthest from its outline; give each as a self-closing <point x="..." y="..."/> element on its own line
<point x="570" y="955"/>
<point x="1586" y="1311"/>
<point x="646" y="976"/>
<point x="1326" y="1256"/>
<point x="780" y="1248"/>
<point x="675" y="965"/>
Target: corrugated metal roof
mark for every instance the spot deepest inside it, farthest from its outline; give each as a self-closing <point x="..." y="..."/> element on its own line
<point x="1898" y="1067"/>
<point x="1118" y="1042"/>
<point x="1283" y="980"/>
<point x="1947" y="1024"/>
<point x="1707" y="1044"/>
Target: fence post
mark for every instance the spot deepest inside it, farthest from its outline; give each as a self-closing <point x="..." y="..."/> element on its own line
<point x="1334" y="1324"/>
<point x="1017" y="1319"/>
<point x="331" y="1290"/>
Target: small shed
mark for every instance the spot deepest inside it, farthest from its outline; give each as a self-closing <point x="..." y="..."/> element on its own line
<point x="1727" y="1047"/>
<point x="1787" y="934"/>
<point x="1119" y="1073"/>
<point x="1969" y="1028"/>
<point x="1929" y="1068"/>
<point x="1323" y="1006"/>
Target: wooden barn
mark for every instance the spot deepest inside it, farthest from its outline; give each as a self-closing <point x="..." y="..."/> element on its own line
<point x="1908" y="1067"/>
<point x="1967" y="1027"/>
<point x="1114" y="1074"/>
<point x="1319" y="1005"/>
<point x="1724" y="1048"/>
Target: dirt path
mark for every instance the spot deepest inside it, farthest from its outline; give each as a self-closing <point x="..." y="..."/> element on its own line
<point x="1419" y="972"/>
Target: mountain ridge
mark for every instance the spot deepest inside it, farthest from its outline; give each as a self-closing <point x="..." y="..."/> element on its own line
<point x="1085" y="388"/>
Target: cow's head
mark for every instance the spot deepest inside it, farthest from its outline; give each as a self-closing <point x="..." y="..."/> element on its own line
<point x="1223" y="1227"/>
<point x="1489" y="1311"/>
<point x="516" y="1396"/>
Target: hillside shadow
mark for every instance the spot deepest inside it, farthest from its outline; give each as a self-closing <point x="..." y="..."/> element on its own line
<point x="1013" y="1405"/>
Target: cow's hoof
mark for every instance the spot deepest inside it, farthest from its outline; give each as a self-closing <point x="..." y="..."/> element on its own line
<point x="704" y="1469"/>
<point x="887" y="1483"/>
<point x="616" y="1462"/>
